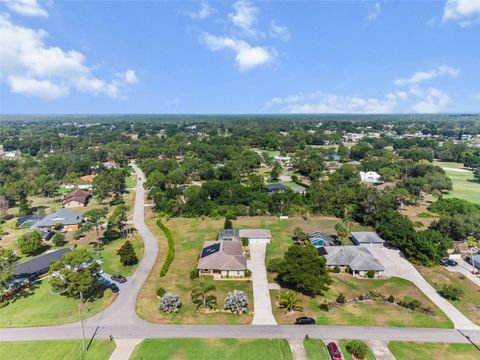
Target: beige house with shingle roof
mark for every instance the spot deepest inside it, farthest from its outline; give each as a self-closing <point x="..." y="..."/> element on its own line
<point x="222" y="259"/>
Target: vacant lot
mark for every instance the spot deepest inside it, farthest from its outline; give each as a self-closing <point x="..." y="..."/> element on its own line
<point x="39" y="307"/>
<point x="208" y="349"/>
<point x="469" y="304"/>
<point x="432" y="351"/>
<point x="365" y="313"/>
<point x="56" y="350"/>
<point x="111" y="261"/>
<point x="464" y="184"/>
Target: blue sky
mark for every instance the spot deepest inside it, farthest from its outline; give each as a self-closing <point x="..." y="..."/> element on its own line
<point x="239" y="57"/>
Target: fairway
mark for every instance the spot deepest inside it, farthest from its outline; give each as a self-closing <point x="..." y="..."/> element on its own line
<point x="212" y="349"/>
<point x="464" y="184"/>
<point x="55" y="350"/>
<point x="433" y="351"/>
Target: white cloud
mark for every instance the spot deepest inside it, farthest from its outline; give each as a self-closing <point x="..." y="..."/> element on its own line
<point x="279" y="31"/>
<point x="374" y="11"/>
<point x="421" y="76"/>
<point x="29" y="66"/>
<point x="247" y="57"/>
<point x="434" y="100"/>
<point x="244" y="16"/>
<point x="465" y="12"/>
<point x="204" y="12"/>
<point x="25" y="7"/>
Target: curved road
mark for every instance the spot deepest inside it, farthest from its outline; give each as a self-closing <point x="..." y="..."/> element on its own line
<point x="121" y="321"/>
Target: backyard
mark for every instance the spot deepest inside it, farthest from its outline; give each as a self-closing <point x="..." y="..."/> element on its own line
<point x="433" y="351"/>
<point x="464" y="185"/>
<point x="207" y="349"/>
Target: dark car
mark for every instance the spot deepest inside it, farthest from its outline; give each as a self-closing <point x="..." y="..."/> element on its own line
<point x="334" y="352"/>
<point x="304" y="321"/>
<point x="103" y="281"/>
<point x="114" y="287"/>
<point x="448" y="262"/>
<point x="119" y="278"/>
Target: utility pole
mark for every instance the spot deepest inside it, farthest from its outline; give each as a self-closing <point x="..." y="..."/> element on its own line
<point x="84" y="350"/>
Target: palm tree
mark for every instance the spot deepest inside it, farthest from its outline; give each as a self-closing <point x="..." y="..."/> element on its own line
<point x="202" y="298"/>
<point x="289" y="301"/>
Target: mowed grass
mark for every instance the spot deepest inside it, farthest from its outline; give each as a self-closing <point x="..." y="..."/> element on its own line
<point x="433" y="351"/>
<point x="316" y="349"/>
<point x="465" y="186"/>
<point x="55" y="350"/>
<point x="365" y="313"/>
<point x="347" y="356"/>
<point x="469" y="304"/>
<point x="208" y="349"/>
<point x="40" y="307"/>
<point x="189" y="236"/>
<point x="111" y="261"/>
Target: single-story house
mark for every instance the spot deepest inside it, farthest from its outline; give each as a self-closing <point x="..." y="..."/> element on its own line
<point x="69" y="219"/>
<point x="358" y="259"/>
<point x="277" y="188"/>
<point x="39" y="265"/>
<point x="367" y="238"/>
<point x="76" y="198"/>
<point x="256" y="236"/>
<point x="222" y="259"/>
<point x="299" y="189"/>
<point x="370" y="177"/>
<point x="319" y="239"/>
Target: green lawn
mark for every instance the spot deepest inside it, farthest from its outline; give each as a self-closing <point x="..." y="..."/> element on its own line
<point x="365" y="313"/>
<point x="316" y="349"/>
<point x="464" y="185"/>
<point x="111" y="261"/>
<point x="56" y="350"/>
<point x="469" y="304"/>
<point x="347" y="356"/>
<point x="208" y="349"/>
<point x="433" y="351"/>
<point x="42" y="308"/>
<point x="131" y="181"/>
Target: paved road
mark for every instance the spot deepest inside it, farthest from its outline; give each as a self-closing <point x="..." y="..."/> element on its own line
<point x="465" y="269"/>
<point x="396" y="265"/>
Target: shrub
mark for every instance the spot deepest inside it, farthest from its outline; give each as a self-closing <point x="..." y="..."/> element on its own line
<point x="194" y="274"/>
<point x="244" y="241"/>
<point x="236" y="301"/>
<point x="161" y="291"/>
<point x="341" y="299"/>
<point x="248" y="273"/>
<point x="58" y="227"/>
<point x="274" y="265"/>
<point x="228" y="223"/>
<point x="391" y="299"/>
<point x="31" y="243"/>
<point x="58" y="239"/>
<point x="336" y="270"/>
<point x="325" y="306"/>
<point x="357" y="348"/>
<point x="370" y="274"/>
<point x="411" y="304"/>
<point x="451" y="292"/>
<point x="171" y="248"/>
<point x="170" y="303"/>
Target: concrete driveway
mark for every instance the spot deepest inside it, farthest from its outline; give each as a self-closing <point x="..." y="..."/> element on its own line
<point x="261" y="295"/>
<point x="465" y="269"/>
<point x="396" y="264"/>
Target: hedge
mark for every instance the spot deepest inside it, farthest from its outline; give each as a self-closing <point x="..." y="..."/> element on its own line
<point x="171" y="248"/>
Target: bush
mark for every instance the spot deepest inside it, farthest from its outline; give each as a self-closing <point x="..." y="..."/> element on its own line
<point x="58" y="239"/>
<point x="341" y="299"/>
<point x="228" y="223"/>
<point x="244" y="241"/>
<point x="325" y="306"/>
<point x="411" y="304"/>
<point x="31" y="243"/>
<point x="357" y="348"/>
<point x="370" y="274"/>
<point x="391" y="299"/>
<point x="248" y="273"/>
<point x="274" y="265"/>
<point x="161" y="291"/>
<point x="336" y="270"/>
<point x="171" y="248"/>
<point x="361" y="298"/>
<point x="170" y="303"/>
<point x="236" y="301"/>
<point x="451" y="292"/>
<point x="194" y="274"/>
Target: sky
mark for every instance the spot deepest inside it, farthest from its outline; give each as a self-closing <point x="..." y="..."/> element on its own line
<point x="239" y="57"/>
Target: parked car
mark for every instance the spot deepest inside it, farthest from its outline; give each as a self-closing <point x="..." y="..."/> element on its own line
<point x="119" y="278"/>
<point x="114" y="287"/>
<point x="448" y="262"/>
<point x="304" y="320"/>
<point x="333" y="351"/>
<point x="103" y="281"/>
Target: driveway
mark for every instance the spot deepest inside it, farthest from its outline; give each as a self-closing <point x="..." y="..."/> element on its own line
<point x="465" y="269"/>
<point x="261" y="295"/>
<point x="397" y="265"/>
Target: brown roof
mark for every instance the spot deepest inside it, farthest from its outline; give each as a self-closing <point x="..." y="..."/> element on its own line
<point x="77" y="195"/>
<point x="222" y="255"/>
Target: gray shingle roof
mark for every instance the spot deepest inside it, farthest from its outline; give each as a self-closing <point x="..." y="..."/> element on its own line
<point x="357" y="258"/>
<point x="62" y="216"/>
<point x="39" y="264"/>
<point x="366" y="237"/>
<point x="225" y="255"/>
<point x="255" y="233"/>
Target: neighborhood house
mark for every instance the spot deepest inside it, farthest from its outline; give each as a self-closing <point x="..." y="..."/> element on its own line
<point x="370" y="177"/>
<point x="76" y="198"/>
<point x="39" y="265"/>
<point x="280" y="188"/>
<point x="357" y="259"/>
<point x="254" y="236"/>
<point x="222" y="259"/>
<point x="367" y="238"/>
<point x="319" y="239"/>
<point x="70" y="220"/>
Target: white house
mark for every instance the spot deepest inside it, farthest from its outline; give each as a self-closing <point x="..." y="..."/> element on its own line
<point x="370" y="176"/>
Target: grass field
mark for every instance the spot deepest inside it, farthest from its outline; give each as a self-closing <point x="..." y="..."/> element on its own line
<point x="316" y="349"/>
<point x="469" y="305"/>
<point x="111" y="261"/>
<point x="366" y="313"/>
<point x="131" y="181"/>
<point x="208" y="349"/>
<point x="56" y="350"/>
<point x="42" y="308"/>
<point x="433" y="351"/>
<point x="347" y="356"/>
<point x="464" y="185"/>
<point x="189" y="235"/>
